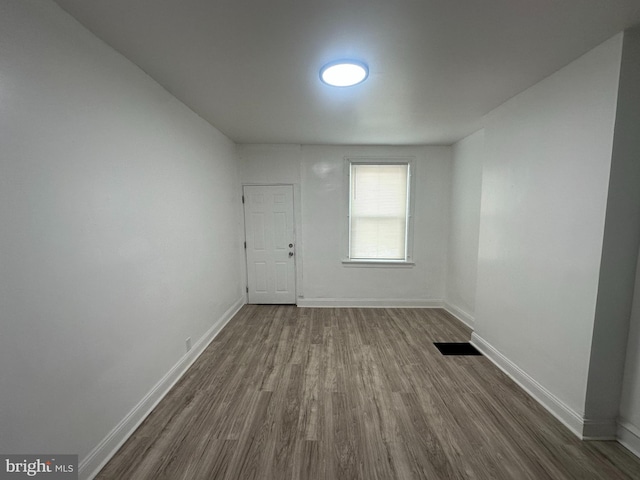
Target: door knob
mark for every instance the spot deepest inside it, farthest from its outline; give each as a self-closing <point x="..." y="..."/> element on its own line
<point x="291" y="254"/>
<point x="291" y="245"/>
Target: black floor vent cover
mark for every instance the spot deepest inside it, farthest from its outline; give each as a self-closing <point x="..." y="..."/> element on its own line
<point x="464" y="348"/>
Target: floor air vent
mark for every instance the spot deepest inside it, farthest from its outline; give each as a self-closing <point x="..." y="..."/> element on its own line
<point x="464" y="348"/>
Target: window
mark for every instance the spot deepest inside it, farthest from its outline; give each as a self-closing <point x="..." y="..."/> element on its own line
<point x="379" y="211"/>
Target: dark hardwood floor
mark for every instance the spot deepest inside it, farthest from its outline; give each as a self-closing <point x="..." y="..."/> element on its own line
<point x="304" y="393"/>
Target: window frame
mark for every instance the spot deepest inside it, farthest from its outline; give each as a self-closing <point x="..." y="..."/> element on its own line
<point x="408" y="261"/>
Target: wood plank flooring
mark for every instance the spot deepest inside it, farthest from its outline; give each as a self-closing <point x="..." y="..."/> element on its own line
<point x="302" y="393"/>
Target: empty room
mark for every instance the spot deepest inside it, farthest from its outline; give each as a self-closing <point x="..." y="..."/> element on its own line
<point x="319" y="240"/>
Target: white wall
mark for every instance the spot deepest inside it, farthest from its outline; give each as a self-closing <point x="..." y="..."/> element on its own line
<point x="120" y="217"/>
<point x="327" y="280"/>
<point x="544" y="195"/>
<point x="464" y="226"/>
<point x="626" y="188"/>
<point x="620" y="246"/>
<point x="318" y="174"/>
<point x="321" y="199"/>
<point x="629" y="430"/>
<point x="271" y="165"/>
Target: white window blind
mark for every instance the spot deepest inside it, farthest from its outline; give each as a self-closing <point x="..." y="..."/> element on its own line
<point x="378" y="211"/>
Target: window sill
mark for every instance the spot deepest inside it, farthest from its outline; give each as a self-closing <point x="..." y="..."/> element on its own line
<point x="377" y="263"/>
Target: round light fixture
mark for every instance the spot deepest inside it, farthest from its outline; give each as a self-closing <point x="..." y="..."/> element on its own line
<point x="344" y="73"/>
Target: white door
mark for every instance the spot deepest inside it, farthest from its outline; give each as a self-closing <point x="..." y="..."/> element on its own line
<point x="270" y="244"/>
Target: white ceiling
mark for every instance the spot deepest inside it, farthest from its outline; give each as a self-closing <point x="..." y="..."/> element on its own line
<point x="250" y="67"/>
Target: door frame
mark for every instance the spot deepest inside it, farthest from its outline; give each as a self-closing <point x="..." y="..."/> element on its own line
<point x="297" y="236"/>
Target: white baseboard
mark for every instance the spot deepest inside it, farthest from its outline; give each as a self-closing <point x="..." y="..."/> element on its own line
<point x="629" y="436"/>
<point x="599" y="429"/>
<point x="91" y="465"/>
<point x="368" y="303"/>
<point x="569" y="417"/>
<point x="460" y="314"/>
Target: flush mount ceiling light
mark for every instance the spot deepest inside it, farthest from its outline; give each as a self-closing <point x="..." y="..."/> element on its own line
<point x="344" y="73"/>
